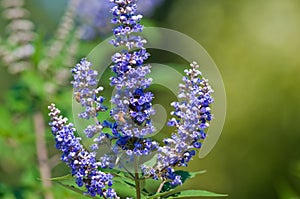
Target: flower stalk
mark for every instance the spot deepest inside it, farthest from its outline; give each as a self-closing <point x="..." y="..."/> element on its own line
<point x="136" y="177"/>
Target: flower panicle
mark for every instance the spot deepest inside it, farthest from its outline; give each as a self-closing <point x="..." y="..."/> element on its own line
<point x="86" y="91"/>
<point x="192" y="115"/>
<point x="83" y="164"/>
<point x="130" y="121"/>
<point x="133" y="104"/>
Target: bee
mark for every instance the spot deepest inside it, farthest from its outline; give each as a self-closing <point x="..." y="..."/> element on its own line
<point x="121" y="117"/>
<point x="77" y="96"/>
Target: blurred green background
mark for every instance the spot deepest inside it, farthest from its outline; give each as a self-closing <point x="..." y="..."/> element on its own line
<point x="256" y="46"/>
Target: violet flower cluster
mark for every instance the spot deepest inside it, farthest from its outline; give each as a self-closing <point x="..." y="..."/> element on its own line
<point x="82" y="163"/>
<point x="84" y="81"/>
<point x="94" y="17"/>
<point x="133" y="108"/>
<point x="192" y="115"/>
<point x="128" y="131"/>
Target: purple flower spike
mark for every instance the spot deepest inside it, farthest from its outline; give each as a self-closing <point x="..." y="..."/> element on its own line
<point x="82" y="163"/>
<point x="192" y="115"/>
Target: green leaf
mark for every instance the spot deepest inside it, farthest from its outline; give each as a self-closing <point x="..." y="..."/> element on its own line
<point x="74" y="189"/>
<point x="169" y="192"/>
<point x="61" y="178"/>
<point x="151" y="185"/>
<point x="194" y="174"/>
<point x="151" y="162"/>
<point x="5" y="120"/>
<point x="121" y="177"/>
<point x="124" y="189"/>
<point x="124" y="181"/>
<point x="185" y="175"/>
<point x="18" y="98"/>
<point x="186" y="194"/>
<point x="197" y="193"/>
<point x="35" y="82"/>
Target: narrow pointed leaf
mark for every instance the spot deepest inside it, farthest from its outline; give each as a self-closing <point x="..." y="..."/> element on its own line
<point x="170" y="192"/>
<point x="74" y="189"/>
<point x="194" y="174"/>
<point x="185" y="175"/>
<point x="61" y="178"/>
<point x="197" y="193"/>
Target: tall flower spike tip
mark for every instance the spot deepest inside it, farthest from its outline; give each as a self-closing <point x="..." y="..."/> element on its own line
<point x="192" y="115"/>
<point x="85" y="93"/>
<point x="82" y="163"/>
<point x="133" y="105"/>
<point x="94" y="17"/>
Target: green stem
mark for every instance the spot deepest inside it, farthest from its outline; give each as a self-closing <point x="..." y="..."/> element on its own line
<point x="136" y="178"/>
